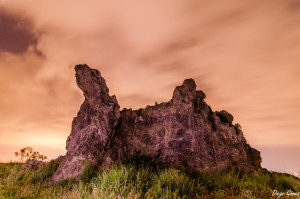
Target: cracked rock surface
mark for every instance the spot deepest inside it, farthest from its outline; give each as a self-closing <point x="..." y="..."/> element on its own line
<point x="183" y="132"/>
<point x="94" y="126"/>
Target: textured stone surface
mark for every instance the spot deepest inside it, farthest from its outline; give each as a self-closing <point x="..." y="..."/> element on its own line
<point x="225" y="117"/>
<point x="184" y="131"/>
<point x="93" y="127"/>
<point x="31" y="164"/>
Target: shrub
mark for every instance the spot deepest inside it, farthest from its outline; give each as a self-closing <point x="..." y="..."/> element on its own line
<point x="281" y="182"/>
<point x="229" y="179"/>
<point x="44" y="172"/>
<point x="238" y="126"/>
<point x="116" y="180"/>
<point x="5" y="168"/>
<point x="142" y="161"/>
<point x="174" y="183"/>
<point x="124" y="180"/>
<point x="88" y="172"/>
<point x="225" y="117"/>
<point x="27" y="153"/>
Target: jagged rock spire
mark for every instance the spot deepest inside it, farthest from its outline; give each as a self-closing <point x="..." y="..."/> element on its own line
<point x="93" y="127"/>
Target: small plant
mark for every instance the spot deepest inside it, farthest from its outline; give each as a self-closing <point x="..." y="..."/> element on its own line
<point x="237" y="125"/>
<point x="172" y="182"/>
<point x="116" y="180"/>
<point x="45" y="172"/>
<point x="225" y="117"/>
<point x="88" y="172"/>
<point x="141" y="161"/>
<point x="27" y="153"/>
<point x="238" y="128"/>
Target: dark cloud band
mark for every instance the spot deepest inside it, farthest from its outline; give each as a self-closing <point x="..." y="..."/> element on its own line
<point x="16" y="33"/>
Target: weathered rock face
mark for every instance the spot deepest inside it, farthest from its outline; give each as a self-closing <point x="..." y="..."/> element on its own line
<point x="184" y="131"/>
<point x="93" y="127"/>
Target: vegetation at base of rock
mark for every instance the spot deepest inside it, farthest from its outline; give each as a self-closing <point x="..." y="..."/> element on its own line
<point x="140" y="177"/>
<point x="88" y="172"/>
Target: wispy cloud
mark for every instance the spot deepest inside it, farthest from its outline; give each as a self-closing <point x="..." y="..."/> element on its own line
<point x="242" y="54"/>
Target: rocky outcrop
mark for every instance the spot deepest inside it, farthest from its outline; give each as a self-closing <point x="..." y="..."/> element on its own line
<point x="183" y="132"/>
<point x="32" y="164"/>
<point x="94" y="126"/>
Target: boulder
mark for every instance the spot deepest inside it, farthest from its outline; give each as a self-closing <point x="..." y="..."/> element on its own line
<point x="32" y="164"/>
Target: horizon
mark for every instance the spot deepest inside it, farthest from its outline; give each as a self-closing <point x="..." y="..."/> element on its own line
<point x="243" y="55"/>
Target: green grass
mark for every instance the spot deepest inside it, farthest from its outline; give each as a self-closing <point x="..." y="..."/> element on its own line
<point x="139" y="177"/>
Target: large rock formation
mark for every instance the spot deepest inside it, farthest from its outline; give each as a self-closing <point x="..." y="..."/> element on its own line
<point x="94" y="126"/>
<point x="184" y="131"/>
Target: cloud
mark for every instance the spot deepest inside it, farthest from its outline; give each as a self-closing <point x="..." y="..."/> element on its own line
<point x="242" y="54"/>
<point x="17" y="33"/>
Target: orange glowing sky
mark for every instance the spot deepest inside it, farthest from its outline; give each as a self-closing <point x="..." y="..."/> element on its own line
<point x="243" y="54"/>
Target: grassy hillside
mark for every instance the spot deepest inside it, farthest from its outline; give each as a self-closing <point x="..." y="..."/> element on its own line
<point x="139" y="177"/>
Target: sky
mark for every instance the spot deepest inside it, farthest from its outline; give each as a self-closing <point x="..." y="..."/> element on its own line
<point x="243" y="54"/>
